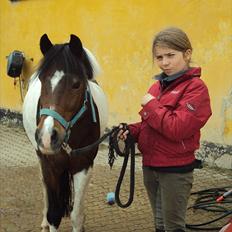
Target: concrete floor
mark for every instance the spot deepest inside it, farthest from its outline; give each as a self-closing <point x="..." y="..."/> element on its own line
<point x="21" y="192"/>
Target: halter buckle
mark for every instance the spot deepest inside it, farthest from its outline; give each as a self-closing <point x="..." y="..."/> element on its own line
<point x="67" y="148"/>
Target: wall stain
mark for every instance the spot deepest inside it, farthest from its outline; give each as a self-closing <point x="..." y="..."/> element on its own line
<point x="227" y="118"/>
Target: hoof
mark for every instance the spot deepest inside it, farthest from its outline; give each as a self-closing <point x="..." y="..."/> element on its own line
<point x="45" y="229"/>
<point x="44" y="225"/>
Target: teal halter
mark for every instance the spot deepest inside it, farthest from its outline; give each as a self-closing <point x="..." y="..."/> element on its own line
<point x="68" y="125"/>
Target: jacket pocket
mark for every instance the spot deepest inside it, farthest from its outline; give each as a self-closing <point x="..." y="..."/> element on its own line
<point x="167" y="146"/>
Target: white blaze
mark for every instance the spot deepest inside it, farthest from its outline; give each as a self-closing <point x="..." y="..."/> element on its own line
<point x="47" y="131"/>
<point x="56" y="78"/>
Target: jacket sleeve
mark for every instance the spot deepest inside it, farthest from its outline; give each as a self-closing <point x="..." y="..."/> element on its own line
<point x="184" y="119"/>
<point x="134" y="129"/>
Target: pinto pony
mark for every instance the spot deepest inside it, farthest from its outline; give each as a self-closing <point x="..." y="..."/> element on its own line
<point x="64" y="107"/>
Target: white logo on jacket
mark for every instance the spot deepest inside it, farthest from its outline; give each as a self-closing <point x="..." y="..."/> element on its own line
<point x="190" y="106"/>
<point x="175" y="91"/>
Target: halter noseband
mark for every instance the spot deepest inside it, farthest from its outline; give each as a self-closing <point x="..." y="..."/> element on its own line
<point x="69" y="124"/>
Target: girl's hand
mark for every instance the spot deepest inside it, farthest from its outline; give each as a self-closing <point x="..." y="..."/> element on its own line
<point x="122" y="134"/>
<point x="148" y="97"/>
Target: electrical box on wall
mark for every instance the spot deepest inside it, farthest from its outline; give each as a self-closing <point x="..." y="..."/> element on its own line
<point x="15" y="63"/>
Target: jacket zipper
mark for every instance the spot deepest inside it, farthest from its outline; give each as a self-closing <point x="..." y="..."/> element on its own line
<point x="162" y="93"/>
<point x="183" y="144"/>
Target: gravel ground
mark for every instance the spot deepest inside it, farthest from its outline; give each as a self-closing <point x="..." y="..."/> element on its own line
<point x="21" y="192"/>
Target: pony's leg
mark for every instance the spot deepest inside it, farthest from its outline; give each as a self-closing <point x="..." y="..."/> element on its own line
<point x="45" y="224"/>
<point x="80" y="181"/>
<point x="52" y="229"/>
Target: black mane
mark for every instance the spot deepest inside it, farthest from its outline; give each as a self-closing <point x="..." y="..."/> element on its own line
<point x="60" y="57"/>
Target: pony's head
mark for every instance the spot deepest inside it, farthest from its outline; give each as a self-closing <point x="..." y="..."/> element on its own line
<point x="64" y="72"/>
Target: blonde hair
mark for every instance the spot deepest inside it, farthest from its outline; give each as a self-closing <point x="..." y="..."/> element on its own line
<point x="173" y="38"/>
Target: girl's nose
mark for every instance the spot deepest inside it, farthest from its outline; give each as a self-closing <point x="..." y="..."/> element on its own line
<point x="165" y="61"/>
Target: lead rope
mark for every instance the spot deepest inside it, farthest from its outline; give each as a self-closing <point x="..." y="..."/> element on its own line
<point x="128" y="151"/>
<point x="114" y="151"/>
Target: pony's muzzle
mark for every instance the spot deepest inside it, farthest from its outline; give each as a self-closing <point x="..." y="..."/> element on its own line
<point x="49" y="142"/>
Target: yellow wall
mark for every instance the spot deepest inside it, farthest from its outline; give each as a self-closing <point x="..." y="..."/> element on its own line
<point x="120" y="34"/>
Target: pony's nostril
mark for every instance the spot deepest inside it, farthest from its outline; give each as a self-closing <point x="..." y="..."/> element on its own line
<point x="54" y="137"/>
<point x="37" y="135"/>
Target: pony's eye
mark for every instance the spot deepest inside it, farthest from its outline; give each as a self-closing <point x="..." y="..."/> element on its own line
<point x="76" y="85"/>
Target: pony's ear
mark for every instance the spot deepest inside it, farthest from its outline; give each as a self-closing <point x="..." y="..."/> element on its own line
<point x="45" y="44"/>
<point x="75" y="45"/>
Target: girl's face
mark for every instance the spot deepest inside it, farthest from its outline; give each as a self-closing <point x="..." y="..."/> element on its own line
<point x="171" y="61"/>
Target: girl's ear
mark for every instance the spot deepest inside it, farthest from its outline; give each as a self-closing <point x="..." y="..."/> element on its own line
<point x="188" y="55"/>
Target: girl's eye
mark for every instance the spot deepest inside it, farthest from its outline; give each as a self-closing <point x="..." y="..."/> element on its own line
<point x="171" y="55"/>
<point x="159" y="58"/>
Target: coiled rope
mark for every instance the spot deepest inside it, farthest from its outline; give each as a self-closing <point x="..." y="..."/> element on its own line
<point x="207" y="200"/>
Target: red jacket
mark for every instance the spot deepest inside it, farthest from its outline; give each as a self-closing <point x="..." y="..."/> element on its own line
<point x="169" y="131"/>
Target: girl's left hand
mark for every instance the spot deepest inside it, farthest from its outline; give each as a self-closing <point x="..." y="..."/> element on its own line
<point x="122" y="135"/>
<point x="148" y="97"/>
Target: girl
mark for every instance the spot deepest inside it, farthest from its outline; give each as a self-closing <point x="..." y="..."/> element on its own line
<point x="173" y="111"/>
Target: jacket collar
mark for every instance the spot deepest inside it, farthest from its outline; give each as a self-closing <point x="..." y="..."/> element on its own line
<point x="191" y="72"/>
